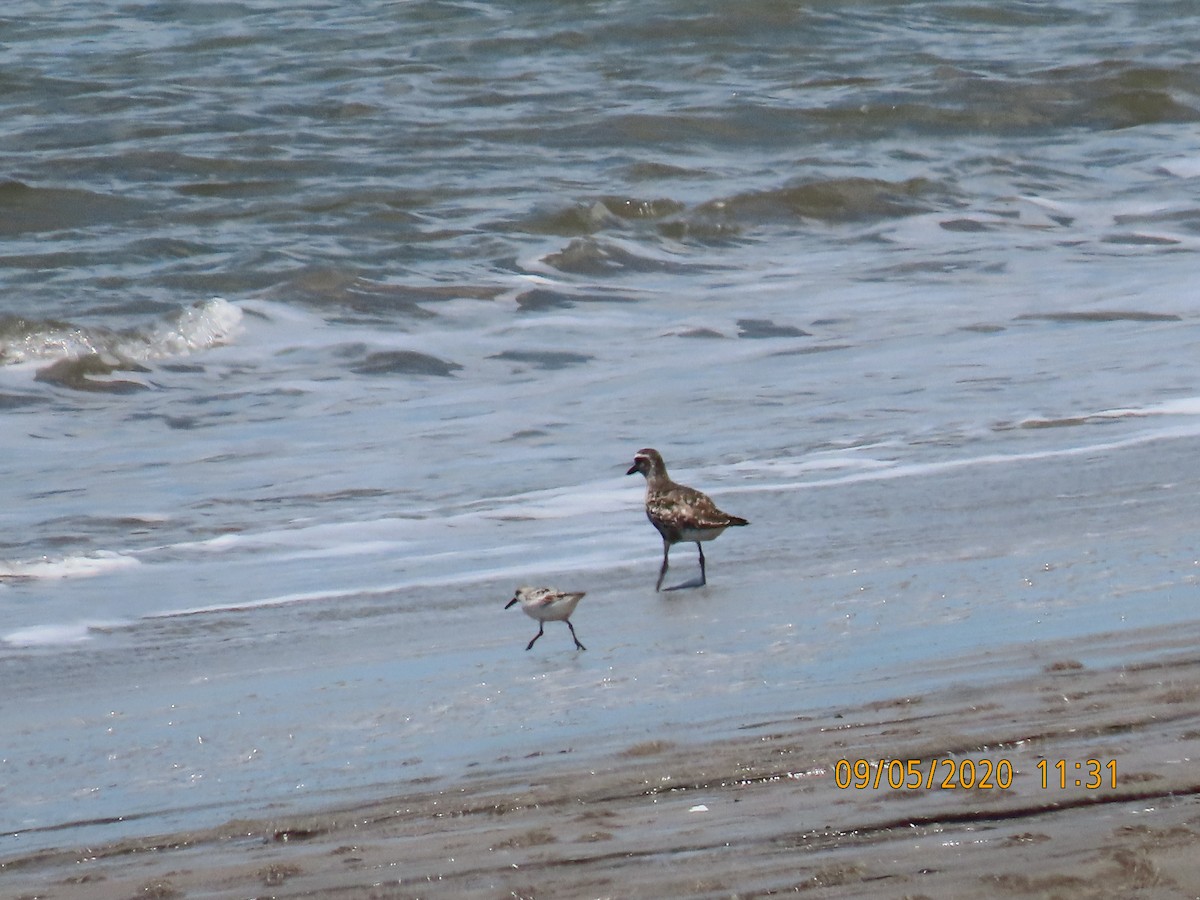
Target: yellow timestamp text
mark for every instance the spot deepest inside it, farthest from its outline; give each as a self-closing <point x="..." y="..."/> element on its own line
<point x="916" y="774"/>
<point x="968" y="774"/>
<point x="1091" y="774"/>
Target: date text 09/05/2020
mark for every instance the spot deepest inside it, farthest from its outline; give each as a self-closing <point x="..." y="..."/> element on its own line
<point x="973" y="774"/>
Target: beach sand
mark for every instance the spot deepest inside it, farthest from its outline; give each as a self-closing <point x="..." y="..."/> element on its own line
<point x="756" y="813"/>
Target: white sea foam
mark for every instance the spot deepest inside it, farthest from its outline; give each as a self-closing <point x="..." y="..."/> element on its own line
<point x="561" y="503"/>
<point x="887" y="470"/>
<point x="350" y="548"/>
<point x="265" y="602"/>
<point x="218" y="544"/>
<point x="839" y="462"/>
<point x="191" y="330"/>
<point x="587" y="560"/>
<point x="1183" y="406"/>
<point x="1182" y="167"/>
<point x="56" y="635"/>
<point x="194" y="329"/>
<point x="47" y="568"/>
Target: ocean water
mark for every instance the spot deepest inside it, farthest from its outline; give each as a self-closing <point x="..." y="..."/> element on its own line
<point x="323" y="327"/>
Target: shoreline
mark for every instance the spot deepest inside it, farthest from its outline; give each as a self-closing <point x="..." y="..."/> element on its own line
<point x="753" y="813"/>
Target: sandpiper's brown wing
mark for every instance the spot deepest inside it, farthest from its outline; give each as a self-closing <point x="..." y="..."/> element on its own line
<point x="545" y="597"/>
<point x="550" y="597"/>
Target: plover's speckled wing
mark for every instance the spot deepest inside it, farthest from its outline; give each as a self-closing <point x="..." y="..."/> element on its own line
<point x="682" y="509"/>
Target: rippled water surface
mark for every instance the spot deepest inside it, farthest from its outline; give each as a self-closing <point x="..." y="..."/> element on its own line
<point x="322" y="327"/>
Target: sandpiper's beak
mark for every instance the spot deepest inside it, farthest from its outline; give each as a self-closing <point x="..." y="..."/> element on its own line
<point x="510" y="602"/>
<point x="632" y="469"/>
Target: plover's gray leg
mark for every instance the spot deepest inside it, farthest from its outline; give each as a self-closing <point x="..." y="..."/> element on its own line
<point x="578" y="646"/>
<point x="662" y="573"/>
<point x="703" y="579"/>
<point x="541" y="627"/>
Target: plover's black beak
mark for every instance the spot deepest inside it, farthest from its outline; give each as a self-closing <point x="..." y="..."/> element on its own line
<point x="632" y="469"/>
<point x="510" y="602"/>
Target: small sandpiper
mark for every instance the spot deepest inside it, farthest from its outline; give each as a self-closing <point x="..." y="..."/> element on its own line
<point x="680" y="513"/>
<point x="548" y="605"/>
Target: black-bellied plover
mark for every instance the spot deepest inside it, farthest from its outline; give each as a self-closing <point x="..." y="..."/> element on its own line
<point x="680" y="513"/>
<point x="548" y="605"/>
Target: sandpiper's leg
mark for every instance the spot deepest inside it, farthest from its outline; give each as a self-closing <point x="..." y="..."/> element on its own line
<point x="662" y="573"/>
<point x="578" y="646"/>
<point x="703" y="580"/>
<point x="541" y="625"/>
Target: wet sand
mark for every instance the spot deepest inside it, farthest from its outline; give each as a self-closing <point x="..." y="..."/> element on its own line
<point x="757" y="813"/>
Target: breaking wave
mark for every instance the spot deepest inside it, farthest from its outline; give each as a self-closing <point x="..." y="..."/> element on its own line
<point x="189" y="330"/>
<point x="83" y="357"/>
